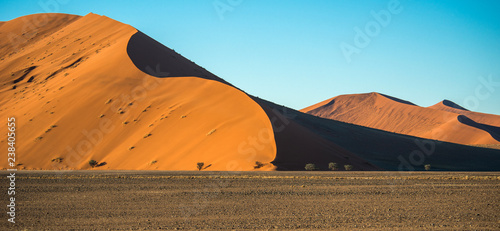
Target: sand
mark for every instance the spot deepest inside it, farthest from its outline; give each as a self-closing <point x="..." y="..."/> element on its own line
<point x="439" y="122"/>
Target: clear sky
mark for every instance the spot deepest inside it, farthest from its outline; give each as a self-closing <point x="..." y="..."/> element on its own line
<point x="298" y="53"/>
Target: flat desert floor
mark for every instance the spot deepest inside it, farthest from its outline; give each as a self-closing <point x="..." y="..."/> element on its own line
<point x="153" y="200"/>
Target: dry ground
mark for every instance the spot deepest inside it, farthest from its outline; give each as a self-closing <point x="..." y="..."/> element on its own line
<point x="149" y="200"/>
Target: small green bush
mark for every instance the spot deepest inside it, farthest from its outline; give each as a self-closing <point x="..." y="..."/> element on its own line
<point x="333" y="166"/>
<point x="427" y="167"/>
<point x="348" y="167"/>
<point x="310" y="167"/>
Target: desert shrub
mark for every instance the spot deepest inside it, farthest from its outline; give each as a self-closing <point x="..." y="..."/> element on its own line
<point x="93" y="163"/>
<point x="57" y="160"/>
<point x="333" y="166"/>
<point x="199" y="165"/>
<point x="310" y="167"/>
<point x="258" y="165"/>
<point x="427" y="167"/>
<point x="348" y="167"/>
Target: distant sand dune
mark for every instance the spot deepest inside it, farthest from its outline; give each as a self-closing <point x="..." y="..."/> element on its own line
<point x="439" y="122"/>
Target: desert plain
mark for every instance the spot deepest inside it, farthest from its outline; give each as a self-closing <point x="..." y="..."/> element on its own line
<point x="186" y="200"/>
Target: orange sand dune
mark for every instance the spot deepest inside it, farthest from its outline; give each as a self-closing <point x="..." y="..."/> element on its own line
<point x="483" y="118"/>
<point x="91" y="88"/>
<point x="439" y="122"/>
<point x="24" y="31"/>
<point x="77" y="96"/>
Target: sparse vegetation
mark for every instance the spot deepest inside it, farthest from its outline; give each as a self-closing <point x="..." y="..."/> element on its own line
<point x="427" y="167"/>
<point x="348" y="167"/>
<point x="108" y="101"/>
<point x="58" y="160"/>
<point x="101" y="115"/>
<point x="153" y="162"/>
<point x="93" y="163"/>
<point x="333" y="166"/>
<point x="201" y="166"/>
<point x="51" y="127"/>
<point x="131" y="148"/>
<point x="258" y="165"/>
<point x="148" y="135"/>
<point x="310" y="167"/>
<point x="183" y="116"/>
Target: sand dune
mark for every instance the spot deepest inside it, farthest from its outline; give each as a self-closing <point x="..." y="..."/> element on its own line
<point x="439" y="122"/>
<point x="449" y="106"/>
<point x="91" y="88"/>
<point x="99" y="89"/>
<point x="87" y="100"/>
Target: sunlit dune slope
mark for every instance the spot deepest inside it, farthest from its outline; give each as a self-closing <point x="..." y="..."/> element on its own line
<point x="77" y="96"/>
<point x="24" y="31"/>
<point x="439" y="122"/>
<point x="483" y="118"/>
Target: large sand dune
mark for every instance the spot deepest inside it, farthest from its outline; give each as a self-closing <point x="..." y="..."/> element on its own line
<point x="91" y="88"/>
<point x="78" y="96"/>
<point x="445" y="121"/>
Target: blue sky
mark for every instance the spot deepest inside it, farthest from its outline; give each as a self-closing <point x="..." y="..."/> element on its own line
<point x="298" y="53"/>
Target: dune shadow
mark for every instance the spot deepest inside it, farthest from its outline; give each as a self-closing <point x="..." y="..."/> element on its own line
<point x="153" y="58"/>
<point x="492" y="130"/>
<point x="453" y="105"/>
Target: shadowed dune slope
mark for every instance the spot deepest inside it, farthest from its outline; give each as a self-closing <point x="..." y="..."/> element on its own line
<point x="145" y="51"/>
<point x="439" y="122"/>
<point x="76" y="96"/>
<point x="298" y="144"/>
<point x="394" y="151"/>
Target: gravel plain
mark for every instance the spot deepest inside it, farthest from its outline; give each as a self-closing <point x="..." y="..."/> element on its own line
<point x="158" y="200"/>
